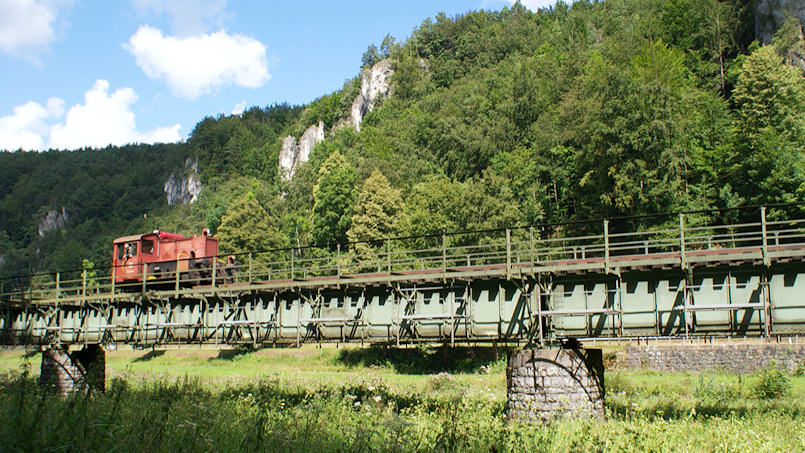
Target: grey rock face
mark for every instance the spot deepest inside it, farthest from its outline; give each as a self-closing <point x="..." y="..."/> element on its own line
<point x="770" y="14"/>
<point x="54" y="220"/>
<point x="293" y="153"/>
<point x="186" y="187"/>
<point x="374" y="85"/>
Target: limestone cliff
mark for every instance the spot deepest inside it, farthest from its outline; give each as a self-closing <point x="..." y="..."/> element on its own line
<point x="55" y="219"/>
<point x="374" y="86"/>
<point x="185" y="187"/>
<point x="293" y="153"/>
<point x="770" y="14"/>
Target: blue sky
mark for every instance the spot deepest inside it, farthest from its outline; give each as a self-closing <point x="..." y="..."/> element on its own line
<point x="91" y="73"/>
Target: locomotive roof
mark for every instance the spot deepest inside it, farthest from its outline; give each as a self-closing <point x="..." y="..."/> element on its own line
<point x="134" y="237"/>
<point x="161" y="234"/>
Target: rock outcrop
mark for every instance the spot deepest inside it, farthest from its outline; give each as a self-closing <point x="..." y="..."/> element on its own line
<point x="293" y="153"/>
<point x="374" y="85"/>
<point x="55" y="219"/>
<point x="185" y="187"/>
<point x="770" y="14"/>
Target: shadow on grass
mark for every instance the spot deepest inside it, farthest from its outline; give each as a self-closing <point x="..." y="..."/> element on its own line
<point x="152" y="354"/>
<point x="238" y="351"/>
<point x="426" y="359"/>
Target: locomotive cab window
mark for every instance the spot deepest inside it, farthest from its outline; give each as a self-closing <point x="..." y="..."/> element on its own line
<point x="148" y="246"/>
<point x="129" y="249"/>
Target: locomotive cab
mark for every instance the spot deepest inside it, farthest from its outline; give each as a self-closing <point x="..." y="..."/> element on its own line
<point x="159" y="255"/>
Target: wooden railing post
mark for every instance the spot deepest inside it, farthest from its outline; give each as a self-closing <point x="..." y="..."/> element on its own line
<point x="508" y="254"/>
<point x="338" y="262"/>
<point x="606" y="246"/>
<point x="58" y="286"/>
<point x="250" y="268"/>
<point x="84" y="286"/>
<point x="765" y="280"/>
<point x="144" y="276"/>
<point x="682" y="239"/>
<point x="176" y="286"/>
<point x="214" y="271"/>
<point x="292" y="263"/>
<point x="531" y="248"/>
<point x="388" y="256"/>
<point x="444" y="256"/>
<point x="765" y="246"/>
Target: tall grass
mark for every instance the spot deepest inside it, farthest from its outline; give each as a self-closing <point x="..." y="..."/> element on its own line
<point x="646" y="411"/>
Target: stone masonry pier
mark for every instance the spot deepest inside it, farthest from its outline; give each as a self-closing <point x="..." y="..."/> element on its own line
<point x="544" y="384"/>
<point x="80" y="371"/>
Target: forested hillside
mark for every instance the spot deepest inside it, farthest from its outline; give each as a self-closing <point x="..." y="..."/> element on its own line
<point x="603" y="109"/>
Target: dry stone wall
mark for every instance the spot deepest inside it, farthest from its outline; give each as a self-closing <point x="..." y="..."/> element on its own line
<point x="736" y="357"/>
<point x="544" y="384"/>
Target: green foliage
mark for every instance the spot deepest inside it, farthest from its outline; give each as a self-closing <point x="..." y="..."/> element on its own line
<point x="333" y="197"/>
<point x="769" y="99"/>
<point x="375" y="213"/>
<point x="89" y="272"/>
<point x="496" y="118"/>
<point x="771" y="383"/>
<point x="247" y="227"/>
<point x="789" y="42"/>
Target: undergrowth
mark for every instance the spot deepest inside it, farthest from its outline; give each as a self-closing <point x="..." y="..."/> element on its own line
<point x="645" y="411"/>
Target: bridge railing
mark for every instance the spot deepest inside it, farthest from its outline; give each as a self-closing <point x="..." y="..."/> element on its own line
<point x="495" y="251"/>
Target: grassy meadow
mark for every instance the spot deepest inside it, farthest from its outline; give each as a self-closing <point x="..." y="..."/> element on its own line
<point x="373" y="399"/>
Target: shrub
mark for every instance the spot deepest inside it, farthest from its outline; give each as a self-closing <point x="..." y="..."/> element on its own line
<point x="771" y="383"/>
<point x="799" y="371"/>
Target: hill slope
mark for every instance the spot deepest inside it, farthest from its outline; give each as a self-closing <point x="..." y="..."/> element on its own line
<point x="613" y="108"/>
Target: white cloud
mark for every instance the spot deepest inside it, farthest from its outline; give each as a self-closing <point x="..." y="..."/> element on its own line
<point x="105" y="119"/>
<point x="239" y="107"/>
<point x="199" y="64"/>
<point x="26" y="127"/>
<point x="102" y="119"/>
<point x="27" y="26"/>
<point x="187" y="17"/>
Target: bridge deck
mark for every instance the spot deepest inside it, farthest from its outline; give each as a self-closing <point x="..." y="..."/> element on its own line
<point x="727" y="280"/>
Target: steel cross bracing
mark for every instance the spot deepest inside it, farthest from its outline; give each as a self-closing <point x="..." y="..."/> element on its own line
<point x="519" y="285"/>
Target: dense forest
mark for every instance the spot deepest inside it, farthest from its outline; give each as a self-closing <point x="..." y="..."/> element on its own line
<point x="615" y="108"/>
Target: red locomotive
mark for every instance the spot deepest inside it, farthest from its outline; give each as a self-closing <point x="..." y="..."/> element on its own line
<point x="157" y="255"/>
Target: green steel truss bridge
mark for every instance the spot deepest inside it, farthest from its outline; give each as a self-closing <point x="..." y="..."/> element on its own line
<point x="523" y="285"/>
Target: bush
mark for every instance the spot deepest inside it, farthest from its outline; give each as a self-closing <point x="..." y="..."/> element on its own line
<point x="711" y="393"/>
<point x="771" y="383"/>
<point x="799" y="371"/>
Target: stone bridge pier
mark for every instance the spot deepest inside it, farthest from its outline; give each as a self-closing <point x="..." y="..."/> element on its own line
<point x="70" y="372"/>
<point x="544" y="384"/>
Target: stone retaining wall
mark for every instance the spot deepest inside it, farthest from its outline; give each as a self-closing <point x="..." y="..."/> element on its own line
<point x="547" y="383"/>
<point x="737" y="358"/>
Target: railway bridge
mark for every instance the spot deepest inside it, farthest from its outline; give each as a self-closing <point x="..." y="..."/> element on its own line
<point x="531" y="285"/>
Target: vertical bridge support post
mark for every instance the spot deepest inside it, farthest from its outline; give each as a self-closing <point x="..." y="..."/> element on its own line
<point x="545" y="384"/>
<point x="67" y="373"/>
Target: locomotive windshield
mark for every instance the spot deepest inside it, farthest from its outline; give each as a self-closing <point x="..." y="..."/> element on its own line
<point x="126" y="250"/>
<point x="148" y="246"/>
